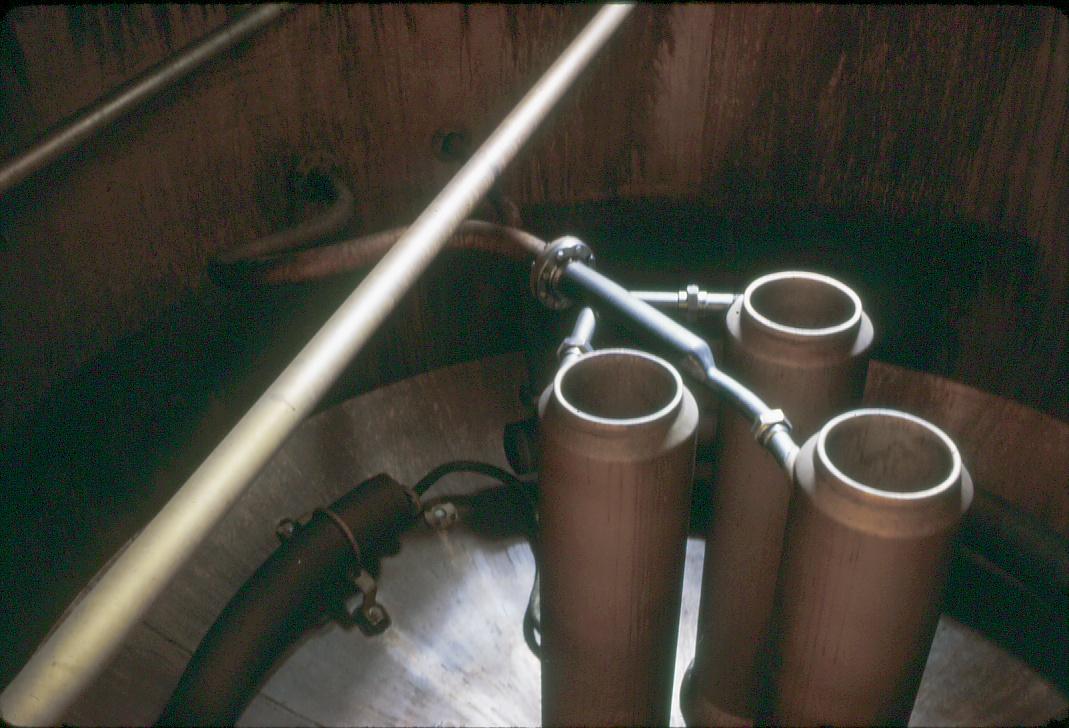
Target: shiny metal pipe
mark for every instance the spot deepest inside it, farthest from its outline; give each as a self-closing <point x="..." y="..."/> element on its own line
<point x="88" y="636"/>
<point x="617" y="438"/>
<point x="105" y="111"/>
<point x="691" y="299"/>
<point x="800" y="340"/>
<point x="879" y="497"/>
<point x="696" y="357"/>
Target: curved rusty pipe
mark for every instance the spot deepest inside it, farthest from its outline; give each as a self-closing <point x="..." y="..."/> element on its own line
<point x="295" y="589"/>
<point x="330" y="222"/>
<point x="290" y="593"/>
<point x="318" y="263"/>
<point x="292" y="256"/>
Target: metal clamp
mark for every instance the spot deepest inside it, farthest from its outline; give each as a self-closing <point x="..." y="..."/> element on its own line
<point x="550" y="263"/>
<point x="288" y="527"/>
<point x="766" y="424"/>
<point x="370" y="616"/>
<point x="690" y="298"/>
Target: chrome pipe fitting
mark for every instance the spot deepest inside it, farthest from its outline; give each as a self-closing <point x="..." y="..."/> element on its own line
<point x="549" y="265"/>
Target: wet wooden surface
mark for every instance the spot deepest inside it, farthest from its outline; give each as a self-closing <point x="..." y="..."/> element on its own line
<point x="455" y="653"/>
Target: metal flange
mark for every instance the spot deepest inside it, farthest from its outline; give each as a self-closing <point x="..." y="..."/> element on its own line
<point x="550" y="263"/>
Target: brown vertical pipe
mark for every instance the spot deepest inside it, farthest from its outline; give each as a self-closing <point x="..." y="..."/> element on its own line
<point x="801" y="342"/>
<point x="879" y="497"/>
<point x="617" y="438"/>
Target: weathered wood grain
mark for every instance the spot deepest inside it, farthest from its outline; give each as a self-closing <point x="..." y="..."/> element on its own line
<point x="947" y="112"/>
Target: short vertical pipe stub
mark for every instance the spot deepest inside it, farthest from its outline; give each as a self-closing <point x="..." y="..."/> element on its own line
<point x="618" y="388"/>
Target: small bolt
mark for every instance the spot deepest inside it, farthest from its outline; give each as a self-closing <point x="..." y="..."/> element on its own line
<point x="560" y="256"/>
<point x="375" y="614"/>
<point x="285" y="529"/>
<point x="451" y="145"/>
<point x="439" y="512"/>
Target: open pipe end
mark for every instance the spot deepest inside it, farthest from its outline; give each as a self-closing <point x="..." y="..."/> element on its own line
<point x="619" y="387"/>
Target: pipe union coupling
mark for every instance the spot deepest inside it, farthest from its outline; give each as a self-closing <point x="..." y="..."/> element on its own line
<point x="767" y="422"/>
<point x="550" y="263"/>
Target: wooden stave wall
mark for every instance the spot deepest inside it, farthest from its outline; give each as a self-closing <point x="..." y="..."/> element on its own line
<point x="944" y="112"/>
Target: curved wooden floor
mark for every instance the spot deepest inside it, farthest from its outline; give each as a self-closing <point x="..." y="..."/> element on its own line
<point x="455" y="653"/>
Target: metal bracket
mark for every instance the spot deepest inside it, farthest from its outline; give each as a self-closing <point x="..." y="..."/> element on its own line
<point x="370" y="616"/>
<point x="287" y="527"/>
<point x="550" y="263"/>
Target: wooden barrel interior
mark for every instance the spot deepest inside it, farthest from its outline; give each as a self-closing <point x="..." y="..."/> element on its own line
<point x="919" y="154"/>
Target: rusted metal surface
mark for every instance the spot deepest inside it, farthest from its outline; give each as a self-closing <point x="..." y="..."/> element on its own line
<point x="617" y="442"/>
<point x="801" y="341"/>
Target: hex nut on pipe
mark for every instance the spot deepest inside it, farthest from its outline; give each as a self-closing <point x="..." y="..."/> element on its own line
<point x="618" y="439"/>
<point x="879" y="497"/>
<point x="801" y="342"/>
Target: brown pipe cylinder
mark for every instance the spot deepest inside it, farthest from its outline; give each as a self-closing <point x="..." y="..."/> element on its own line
<point x="879" y="497"/>
<point x="617" y="438"/>
<point x="801" y="342"/>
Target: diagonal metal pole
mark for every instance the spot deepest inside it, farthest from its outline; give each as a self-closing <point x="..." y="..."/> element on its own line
<point x="80" y="647"/>
<point x="102" y="113"/>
